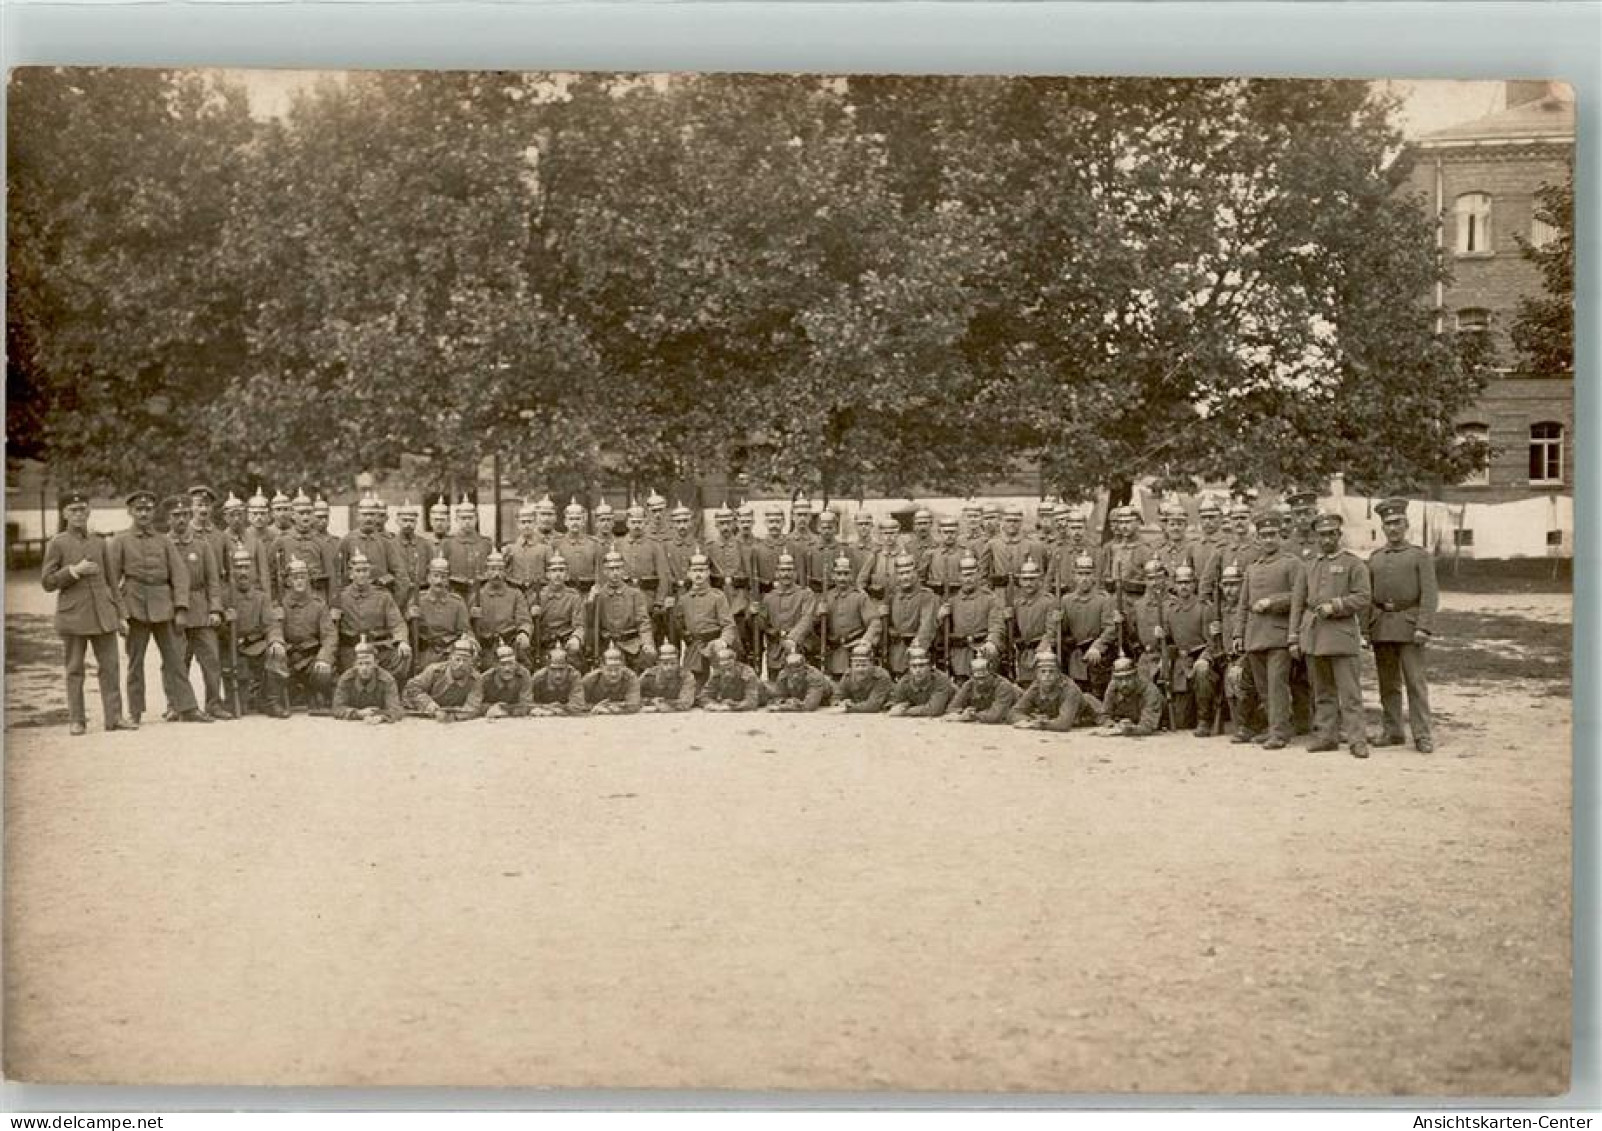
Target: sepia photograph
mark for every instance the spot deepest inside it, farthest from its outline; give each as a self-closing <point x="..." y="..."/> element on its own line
<point x="1153" y="497"/>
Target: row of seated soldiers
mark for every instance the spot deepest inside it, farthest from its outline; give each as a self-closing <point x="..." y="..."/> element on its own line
<point x="455" y="690"/>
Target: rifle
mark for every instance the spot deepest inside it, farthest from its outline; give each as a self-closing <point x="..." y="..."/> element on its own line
<point x="945" y="627"/>
<point x="1218" y="695"/>
<point x="233" y="662"/>
<point x="1165" y="659"/>
<point x="823" y="636"/>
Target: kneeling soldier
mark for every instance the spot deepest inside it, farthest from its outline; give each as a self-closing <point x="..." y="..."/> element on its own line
<point x="865" y="689"/>
<point x="923" y="692"/>
<point x="1133" y="705"/>
<point x="847" y="619"/>
<point x="1190" y="622"/>
<point x="441" y="616"/>
<point x="1052" y="701"/>
<point x="799" y="686"/>
<point x="366" y="612"/>
<point x="447" y="691"/>
<point x="977" y="621"/>
<point x="367" y="693"/>
<point x="309" y="640"/>
<point x="732" y="686"/>
<point x="259" y="657"/>
<point x="702" y="617"/>
<point x="500" y="615"/>
<point x="985" y="698"/>
<point x="612" y="689"/>
<point x="1089" y="628"/>
<point x="667" y="687"/>
<point x="558" y="611"/>
<point x="555" y="689"/>
<point x="507" y="688"/>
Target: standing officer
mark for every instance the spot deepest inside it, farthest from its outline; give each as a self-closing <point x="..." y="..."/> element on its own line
<point x="801" y="541"/>
<point x="258" y="637"/>
<point x="605" y="519"/>
<point x="239" y="534"/>
<point x="310" y="639"/>
<point x="1329" y="605"/>
<point x="1008" y="552"/>
<point x="389" y="572"/>
<point x="822" y="553"/>
<point x="922" y="539"/>
<point x="202" y="501"/>
<point x="849" y="617"/>
<point x="205" y="605"/>
<point x="149" y="573"/>
<point x="439" y="521"/>
<point x="282" y="519"/>
<point x="89" y="613"/>
<point x="680" y="548"/>
<point x="943" y="565"/>
<point x="878" y="576"/>
<point x="1120" y="560"/>
<point x="656" y="517"/>
<point x="1174" y="550"/>
<point x="1263" y="632"/>
<point x="1400" y="623"/>
<point x="623" y="615"/>
<point x="731" y="567"/>
<point x="1209" y="548"/>
<point x="330" y="544"/>
<point x="765" y="551"/>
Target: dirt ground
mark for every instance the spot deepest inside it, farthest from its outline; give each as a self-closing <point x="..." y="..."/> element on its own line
<point x="821" y="903"/>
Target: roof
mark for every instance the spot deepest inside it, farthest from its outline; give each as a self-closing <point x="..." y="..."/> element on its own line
<point x="1549" y="119"/>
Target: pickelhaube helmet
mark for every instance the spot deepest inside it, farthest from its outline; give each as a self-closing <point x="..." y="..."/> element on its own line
<point x="654" y="501"/>
<point x="905" y="561"/>
<point x="612" y="558"/>
<point x="527" y="510"/>
<point x="1014" y="510"/>
<point x="280" y="499"/>
<point x="801" y="506"/>
<point x="948" y="522"/>
<point x="1231" y="575"/>
<point x="242" y="557"/>
<point x="1154" y="568"/>
<point x="700" y="561"/>
<point x="301" y="502"/>
<point x="839" y="564"/>
<point x="232" y="503"/>
<point x="862" y="651"/>
<point x="612" y="653"/>
<point x="1184" y="573"/>
<point x="635" y="512"/>
<point x="786" y="561"/>
<point x="574" y="509"/>
<point x="495" y="559"/>
<point x="258" y="501"/>
<point x="667" y="650"/>
<point x="297" y="565"/>
<point x="967" y="564"/>
<point x="1209" y="505"/>
<point x="1045" y="657"/>
<point x="505" y="652"/>
<point x="364" y="647"/>
<point x="463" y="507"/>
<point x="1030" y="568"/>
<point x="1084" y="563"/>
<point x="1123" y="668"/>
<point x="679" y="511"/>
<point x="439" y="565"/>
<point x="545" y="505"/>
<point x="440" y="507"/>
<point x="603" y="509"/>
<point x="359" y="559"/>
<point x="408" y="509"/>
<point x="555" y="561"/>
<point x="462" y="646"/>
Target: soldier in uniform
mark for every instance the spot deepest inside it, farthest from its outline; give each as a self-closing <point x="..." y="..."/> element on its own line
<point x="1329" y="607"/>
<point x="786" y="614"/>
<point x="439" y="521"/>
<point x="1132" y="706"/>
<point x="1174" y="550"/>
<point x="205" y="605"/>
<point x="330" y="544"/>
<point x="560" y="614"/>
<point x="921" y="542"/>
<point x="1210" y="548"/>
<point x="1052" y="701"/>
<point x="1236" y="672"/>
<point x="646" y="565"/>
<point x="1036" y="619"/>
<point x="526" y="557"/>
<point x="555" y="689"/>
<point x="581" y="551"/>
<point x="878" y="575"/>
<point x="448" y="691"/>
<point x="364" y="612"/>
<point x="304" y="544"/>
<point x="282" y="518"/>
<point x="731" y="568"/>
<point x="848" y="619"/>
<point x="1008" y="552"/>
<point x="679" y="549"/>
<point x="623" y="615"/>
<point x="389" y="572"/>
<point x="442" y="616"/>
<point x="1262" y="631"/>
<point x="605" y="526"/>
<point x="1240" y="546"/>
<point x="667" y="687"/>
<point x="258" y="636"/>
<point x="466" y="550"/>
<point x="822" y="553"/>
<point x="864" y="689"/>
<point x="366" y="693"/>
<point x="89" y="613"/>
<point x="1399" y="626"/>
<point x="942" y="570"/>
<point x="974" y="622"/>
<point x="863" y="543"/>
<point x="702" y="617"/>
<point x="1070" y="545"/>
<point x="801" y="541"/>
<point x="656" y="517"/>
<point x="732" y="686"/>
<point x="202" y="500"/>
<point x="1121" y="560"/>
<point x="1089" y="629"/>
<point x="507" y="689"/>
<point x="924" y="691"/>
<point x="798" y="686"/>
<point x="239" y="535"/>
<point x="310" y="639"/>
<point x="985" y="698"/>
<point x="611" y="689"/>
<point x="501" y="614"/>
<point x="911" y="616"/>
<point x="766" y="551"/>
<point x="416" y="550"/>
<point x="1146" y="619"/>
<point x="545" y="523"/>
<point x="1188" y="625"/>
<point x="260" y="517"/>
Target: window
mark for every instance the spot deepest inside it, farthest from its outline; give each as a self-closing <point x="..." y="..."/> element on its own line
<point x="1474" y="223"/>
<point x="1473" y="320"/>
<point x="1546" y="454"/>
<point x="1541" y="233"/>
<point x="1478" y="434"/>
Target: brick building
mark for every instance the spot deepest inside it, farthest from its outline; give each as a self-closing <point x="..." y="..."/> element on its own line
<point x="1481" y="177"/>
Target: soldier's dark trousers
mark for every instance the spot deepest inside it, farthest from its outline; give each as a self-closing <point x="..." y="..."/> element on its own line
<point x="1270" y="683"/>
<point x="225" y="634"/>
<point x="201" y="646"/>
<point x="1402" y="665"/>
<point x="1337" y="699"/>
<point x="108" y="671"/>
<point x="1301" y="697"/>
<point x="259" y="688"/>
<point x="174" y="671"/>
<point x="318" y="690"/>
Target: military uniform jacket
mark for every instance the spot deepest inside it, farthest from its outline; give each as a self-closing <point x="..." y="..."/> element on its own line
<point x="1035" y="618"/>
<point x="678" y="560"/>
<point x="261" y="558"/>
<point x="525" y="561"/>
<point x="912" y="616"/>
<point x="864" y="692"/>
<point x="415" y="554"/>
<point x="352" y="693"/>
<point x="1187" y="619"/>
<point x="205" y="578"/>
<point x="1007" y="556"/>
<point x="704" y="617"/>
<point x="435" y="686"/>
<point x="515" y="690"/>
<point x="371" y="612"/>
<point x="1056" y="706"/>
<point x="441" y="618"/>
<point x="1175" y="554"/>
<point x="1137" y="701"/>
<point x="149" y="573"/>
<point x="561" y="613"/>
<point x="925" y="698"/>
<point x="765" y="558"/>
<point x="738" y="686"/>
<point x="1060" y="569"/>
<point x="624" y="617"/>
<point x="582" y="554"/>
<point x="1209" y="551"/>
<point x="1405" y="594"/>
<point x="307" y="629"/>
<point x="1275" y="577"/>
<point x="976" y="618"/>
<point x="851" y="617"/>
<point x="730" y="562"/>
<point x="671" y="689"/>
<point x="978" y="544"/>
<point x="645" y="564"/>
<point x="557" y="687"/>
<point x="321" y="563"/>
<point x="1148" y="615"/>
<point x="878" y="573"/>
<point x="1119" y="561"/>
<point x="502" y="611"/>
<point x="1340" y="578"/>
<point x="256" y="622"/>
<point x="85" y="606"/>
<point x="805" y="683"/>
<point x="382" y="553"/>
<point x="789" y="613"/>
<point x="993" y="698"/>
<point x="1087" y="618"/>
<point x="943" y="568"/>
<point x="466" y="554"/>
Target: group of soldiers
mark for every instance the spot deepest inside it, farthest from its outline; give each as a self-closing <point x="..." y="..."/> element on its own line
<point x="1251" y="623"/>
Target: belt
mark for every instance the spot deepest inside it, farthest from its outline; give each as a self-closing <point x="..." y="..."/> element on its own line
<point x="306" y="646"/>
<point x="1397" y="606"/>
<point x="251" y="638"/>
<point x="706" y="637"/>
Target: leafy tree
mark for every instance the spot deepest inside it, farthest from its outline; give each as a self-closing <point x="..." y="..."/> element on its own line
<point x="1543" y="327"/>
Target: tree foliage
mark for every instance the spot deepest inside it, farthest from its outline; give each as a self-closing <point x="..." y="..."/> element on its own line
<point x="1543" y="328"/>
<point x="845" y="286"/>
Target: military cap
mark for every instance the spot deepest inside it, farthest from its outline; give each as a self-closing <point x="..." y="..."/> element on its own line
<point x="1154" y="567"/>
<point x="904" y="561"/>
<point x="204" y="491"/>
<point x="72" y="499"/>
<point x="1302" y="500"/>
<point x="258" y="501"/>
<point x="1030" y="568"/>
<point x="1078" y="516"/>
<point x="1014" y="510"/>
<point x="1184" y="573"/>
<point x="613" y="558"/>
<point x="297" y="565"/>
<point x="1170" y="511"/>
<point x="464" y="646"/>
<point x="1238" y="509"/>
<point x="505" y="652"/>
<point x="1120" y="513"/>
<point x="1267" y="520"/>
<point x="888" y="522"/>
<point x="555" y="561"/>
<point x="1123" y="668"/>
<point x="916" y="655"/>
<point x="1046" y="509"/>
<point x="364" y="647"/>
<point x="968" y="563"/>
<point x="319" y="505"/>
<point x="1391" y="508"/>
<point x="1209" y="505"/>
<point x="922" y="515"/>
<point x="654" y="501"/>
<point x="862" y="650"/>
<point x="1329" y="520"/>
<point x="746" y="511"/>
<point x="972" y="508"/>
<point x="680" y="511"/>
<point x="827" y="517"/>
<point x="1046" y="656"/>
<point x="495" y="558"/>
<point x="667" y="649"/>
<point x="280" y="499"/>
<point x="700" y="561"/>
<point x="1084" y="563"/>
<point x="442" y="565"/>
<point x="545" y="505"/>
<point x="233" y="503"/>
<point x="174" y="503"/>
<point x="1230" y="573"/>
<point x="773" y="509"/>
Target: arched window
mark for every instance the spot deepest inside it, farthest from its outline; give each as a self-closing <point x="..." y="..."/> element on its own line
<point x="1473" y="320"/>
<point x="1546" y="454"/>
<point x="1474" y="223"/>
<point x="1476" y="434"/>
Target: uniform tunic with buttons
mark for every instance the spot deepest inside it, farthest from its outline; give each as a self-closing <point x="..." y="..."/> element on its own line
<point x="205" y="578"/>
<point x="739" y="687"/>
<point x="851" y="617"/>
<point x="561" y="614"/>
<point x="1340" y="579"/>
<point x="85" y="606"/>
<point x="645" y="564"/>
<point x="864" y="692"/>
<point x="441" y="619"/>
<point x="435" y="687"/>
<point x="1134" y="700"/>
<point x="1057" y="707"/>
<point x="924" y="698"/>
<point x="1405" y="594"/>
<point x="502" y="612"/>
<point x="582" y="552"/>
<point x="149" y="573"/>
<point x="322" y="565"/>
<point x="308" y="630"/>
<point x="372" y="612"/>
<point x="730" y="562"/>
<point x="256" y="623"/>
<point x="1087" y="619"/>
<point x="624" y="616"/>
<point x="558" y="687"/>
<point x="670" y="689"/>
<point x="703" y="617"/>
<point x="353" y="693"/>
<point x="513" y="692"/>
<point x="525" y="561"/>
<point x="993" y="698"/>
<point x="804" y="683"/>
